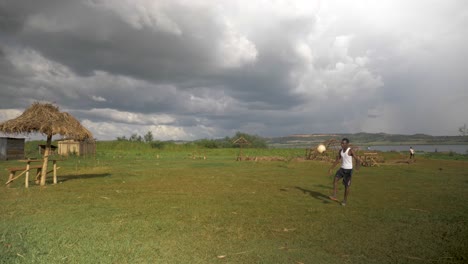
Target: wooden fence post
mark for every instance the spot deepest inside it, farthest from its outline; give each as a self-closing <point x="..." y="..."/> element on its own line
<point x="26" y="179"/>
<point x="55" y="172"/>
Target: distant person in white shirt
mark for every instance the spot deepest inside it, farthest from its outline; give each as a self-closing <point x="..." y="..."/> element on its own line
<point x="411" y="153"/>
<point x="345" y="172"/>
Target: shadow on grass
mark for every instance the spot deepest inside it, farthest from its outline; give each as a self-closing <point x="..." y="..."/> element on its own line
<point x="65" y="178"/>
<point x="319" y="196"/>
<point x="323" y="186"/>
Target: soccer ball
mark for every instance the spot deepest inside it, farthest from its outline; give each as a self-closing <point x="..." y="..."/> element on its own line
<point x="321" y="148"/>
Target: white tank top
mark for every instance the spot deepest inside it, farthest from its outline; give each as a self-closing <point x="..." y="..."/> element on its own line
<point x="346" y="160"/>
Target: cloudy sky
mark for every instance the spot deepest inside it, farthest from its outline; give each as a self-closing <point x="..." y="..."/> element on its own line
<point x="189" y="69"/>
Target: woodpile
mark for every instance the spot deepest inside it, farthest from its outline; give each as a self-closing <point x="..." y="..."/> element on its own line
<point x="261" y="158"/>
<point x="332" y="147"/>
<point x="371" y="159"/>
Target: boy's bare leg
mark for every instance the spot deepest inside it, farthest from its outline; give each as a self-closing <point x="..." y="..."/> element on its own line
<point x="335" y="188"/>
<point x="346" y="193"/>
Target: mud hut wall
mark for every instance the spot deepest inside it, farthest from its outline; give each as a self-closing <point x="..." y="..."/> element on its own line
<point x="88" y="148"/>
<point x="3" y="148"/>
<point x="11" y="148"/>
<point x="67" y="147"/>
<point x="80" y="148"/>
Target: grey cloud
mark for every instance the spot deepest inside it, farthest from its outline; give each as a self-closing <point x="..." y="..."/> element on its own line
<point x="156" y="56"/>
<point x="210" y="71"/>
<point x="94" y="39"/>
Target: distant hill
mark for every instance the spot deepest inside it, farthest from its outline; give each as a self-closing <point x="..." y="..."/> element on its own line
<point x="363" y="139"/>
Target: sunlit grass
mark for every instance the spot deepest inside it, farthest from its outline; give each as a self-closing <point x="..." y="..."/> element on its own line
<point x="134" y="204"/>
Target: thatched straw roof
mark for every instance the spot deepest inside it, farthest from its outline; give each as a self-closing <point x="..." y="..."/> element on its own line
<point x="48" y="120"/>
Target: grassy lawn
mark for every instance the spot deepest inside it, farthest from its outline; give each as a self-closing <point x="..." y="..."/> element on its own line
<point x="128" y="206"/>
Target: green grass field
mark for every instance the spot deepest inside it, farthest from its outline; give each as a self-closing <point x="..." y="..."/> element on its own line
<point x="127" y="206"/>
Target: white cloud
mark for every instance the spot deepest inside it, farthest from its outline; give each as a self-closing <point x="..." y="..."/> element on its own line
<point x="342" y="76"/>
<point x="33" y="64"/>
<point x="7" y="114"/>
<point x="170" y="132"/>
<point x="235" y="50"/>
<point x="98" y="98"/>
<point x="105" y="130"/>
<point x="127" y="117"/>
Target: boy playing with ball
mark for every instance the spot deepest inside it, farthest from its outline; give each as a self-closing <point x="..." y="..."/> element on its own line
<point x="345" y="172"/>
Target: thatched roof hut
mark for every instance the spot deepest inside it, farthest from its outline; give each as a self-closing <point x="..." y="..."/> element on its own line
<point x="48" y="120"/>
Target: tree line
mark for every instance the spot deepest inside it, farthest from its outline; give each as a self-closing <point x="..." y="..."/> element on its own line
<point x="147" y="138"/>
<point x="255" y="141"/>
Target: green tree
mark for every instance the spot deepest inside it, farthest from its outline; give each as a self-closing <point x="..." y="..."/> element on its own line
<point x="158" y="144"/>
<point x="133" y="137"/>
<point x="226" y="142"/>
<point x="149" y="137"/>
<point x="208" y="143"/>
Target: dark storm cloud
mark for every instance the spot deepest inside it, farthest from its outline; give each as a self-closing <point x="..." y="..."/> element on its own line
<point x="194" y="69"/>
<point x="9" y="22"/>
<point x="86" y="39"/>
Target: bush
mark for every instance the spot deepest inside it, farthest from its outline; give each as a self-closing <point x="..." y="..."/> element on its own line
<point x="208" y="143"/>
<point x="227" y="142"/>
<point x="157" y="144"/>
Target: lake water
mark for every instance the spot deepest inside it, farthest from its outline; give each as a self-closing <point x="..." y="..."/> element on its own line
<point x="461" y="149"/>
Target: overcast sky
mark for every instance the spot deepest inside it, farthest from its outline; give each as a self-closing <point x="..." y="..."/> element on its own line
<point x="206" y="69"/>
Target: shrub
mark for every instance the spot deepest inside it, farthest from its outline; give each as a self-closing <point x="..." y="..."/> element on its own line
<point x="157" y="144"/>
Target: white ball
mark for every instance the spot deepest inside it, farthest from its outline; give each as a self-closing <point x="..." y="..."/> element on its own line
<point x="321" y="148"/>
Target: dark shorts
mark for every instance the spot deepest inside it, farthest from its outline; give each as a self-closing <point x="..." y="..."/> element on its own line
<point x="345" y="175"/>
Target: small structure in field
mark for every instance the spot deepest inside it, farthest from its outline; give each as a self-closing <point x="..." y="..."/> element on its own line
<point x="11" y="148"/>
<point x="49" y="121"/>
<point x="42" y="148"/>
<point x="241" y="141"/>
<point x="76" y="147"/>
